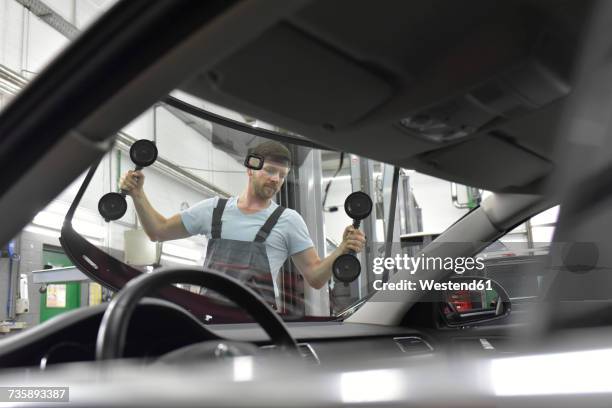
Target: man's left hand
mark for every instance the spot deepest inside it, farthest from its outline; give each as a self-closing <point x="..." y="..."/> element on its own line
<point x="352" y="239"/>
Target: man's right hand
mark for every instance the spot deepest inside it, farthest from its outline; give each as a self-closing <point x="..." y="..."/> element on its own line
<point x="132" y="182"/>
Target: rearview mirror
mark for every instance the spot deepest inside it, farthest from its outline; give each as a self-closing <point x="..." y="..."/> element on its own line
<point x="472" y="299"/>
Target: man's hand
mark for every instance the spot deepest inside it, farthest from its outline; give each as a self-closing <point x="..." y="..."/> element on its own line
<point x="318" y="271"/>
<point x="157" y="227"/>
<point x="352" y="239"/>
<point x="132" y="182"/>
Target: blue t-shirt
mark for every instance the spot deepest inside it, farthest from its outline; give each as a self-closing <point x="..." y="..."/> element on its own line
<point x="288" y="237"/>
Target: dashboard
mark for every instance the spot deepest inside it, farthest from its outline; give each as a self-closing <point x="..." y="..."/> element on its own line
<point x="159" y="327"/>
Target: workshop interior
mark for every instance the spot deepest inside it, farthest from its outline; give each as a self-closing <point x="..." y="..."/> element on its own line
<point x="437" y="129"/>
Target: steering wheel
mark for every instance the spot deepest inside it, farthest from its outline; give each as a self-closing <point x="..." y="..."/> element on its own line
<point x="113" y="328"/>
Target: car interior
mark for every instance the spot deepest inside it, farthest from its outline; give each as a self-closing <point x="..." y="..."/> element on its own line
<point x="479" y="93"/>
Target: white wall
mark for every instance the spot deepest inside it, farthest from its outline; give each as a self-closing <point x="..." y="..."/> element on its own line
<point x="27" y="45"/>
<point x="79" y="13"/>
<point x="11" y="34"/>
<point x="336" y="222"/>
<point x="43" y="45"/>
<point x="433" y="196"/>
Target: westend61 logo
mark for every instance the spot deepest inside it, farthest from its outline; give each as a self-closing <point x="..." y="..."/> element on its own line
<point x="458" y="265"/>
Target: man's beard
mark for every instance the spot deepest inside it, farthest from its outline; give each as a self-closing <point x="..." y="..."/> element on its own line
<point x="265" y="191"/>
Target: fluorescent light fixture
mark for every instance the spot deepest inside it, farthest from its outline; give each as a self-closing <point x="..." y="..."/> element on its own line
<point x="89" y="229"/>
<point x="42" y="231"/>
<point x="48" y="220"/>
<point x="583" y="372"/>
<point x="8" y="88"/>
<point x="371" y="386"/>
<point x="181" y="252"/>
<point x="327" y="179"/>
<point x="345" y="177"/>
<point x="262" y="125"/>
<point x="57" y="207"/>
<point x="11" y="82"/>
<point x="181" y="261"/>
<point x="54" y="221"/>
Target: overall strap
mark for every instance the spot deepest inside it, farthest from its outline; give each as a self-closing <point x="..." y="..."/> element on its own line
<point x="215" y="228"/>
<point x="265" y="229"/>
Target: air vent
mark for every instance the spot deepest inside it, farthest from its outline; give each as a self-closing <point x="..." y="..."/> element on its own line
<point x="305" y="350"/>
<point x="413" y="345"/>
<point x="308" y="353"/>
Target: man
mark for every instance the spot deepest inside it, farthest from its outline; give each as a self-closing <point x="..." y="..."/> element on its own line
<point x="250" y="236"/>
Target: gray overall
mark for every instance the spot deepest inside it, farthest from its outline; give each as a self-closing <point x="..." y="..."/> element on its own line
<point x="245" y="261"/>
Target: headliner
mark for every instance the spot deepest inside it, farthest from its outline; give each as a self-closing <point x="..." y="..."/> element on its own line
<point x="344" y="73"/>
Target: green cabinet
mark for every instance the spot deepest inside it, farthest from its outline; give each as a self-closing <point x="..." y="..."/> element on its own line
<point x="59" y="297"/>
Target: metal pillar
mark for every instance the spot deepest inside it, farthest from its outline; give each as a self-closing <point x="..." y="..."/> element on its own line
<point x="403" y="200"/>
<point x="390" y="183"/>
<point x="309" y="206"/>
<point x="392" y="178"/>
<point x="412" y="217"/>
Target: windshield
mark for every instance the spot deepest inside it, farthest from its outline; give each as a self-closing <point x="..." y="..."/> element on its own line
<point x="278" y="225"/>
<point x="200" y="164"/>
<point x="201" y="160"/>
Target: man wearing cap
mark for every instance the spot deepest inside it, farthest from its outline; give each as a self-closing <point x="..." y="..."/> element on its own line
<point x="250" y="236"/>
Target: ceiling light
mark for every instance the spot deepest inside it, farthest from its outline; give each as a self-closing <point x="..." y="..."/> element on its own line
<point x="10" y="82"/>
<point x="54" y="221"/>
<point x="433" y="129"/>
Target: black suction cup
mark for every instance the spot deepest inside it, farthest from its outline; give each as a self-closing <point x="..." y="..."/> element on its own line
<point x="346" y="268"/>
<point x="143" y="153"/>
<point x="112" y="206"/>
<point x="358" y="205"/>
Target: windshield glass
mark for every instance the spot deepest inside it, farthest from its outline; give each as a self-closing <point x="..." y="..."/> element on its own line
<point x="173" y="218"/>
<point x="201" y="164"/>
<point x="198" y="205"/>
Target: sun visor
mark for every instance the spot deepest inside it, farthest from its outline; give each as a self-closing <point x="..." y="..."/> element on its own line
<point x="289" y="73"/>
<point x="485" y="163"/>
